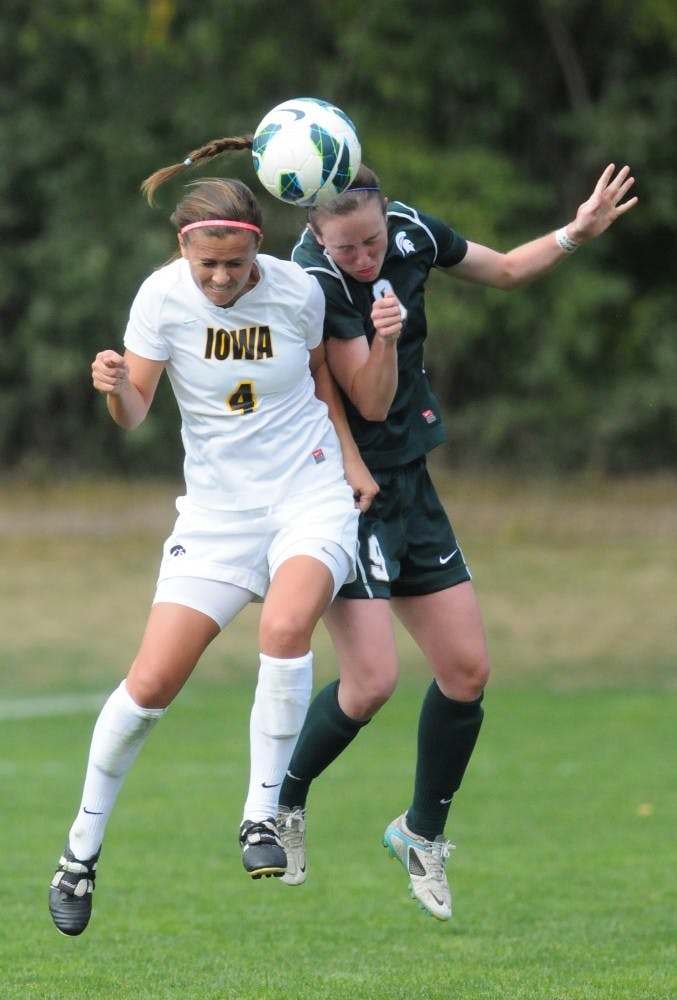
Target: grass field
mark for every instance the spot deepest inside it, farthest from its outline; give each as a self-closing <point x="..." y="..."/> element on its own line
<point x="563" y="877"/>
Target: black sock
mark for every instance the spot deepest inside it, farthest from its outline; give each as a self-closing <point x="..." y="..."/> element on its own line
<point x="447" y="733"/>
<point x="326" y="733"/>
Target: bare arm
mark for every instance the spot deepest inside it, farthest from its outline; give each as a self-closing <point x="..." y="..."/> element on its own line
<point x="128" y="382"/>
<point x="530" y="260"/>
<point x="363" y="484"/>
<point x="368" y="374"/>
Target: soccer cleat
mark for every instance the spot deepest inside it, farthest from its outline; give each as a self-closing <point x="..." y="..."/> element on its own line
<point x="292" y="826"/>
<point x="262" y="851"/>
<point x="424" y="861"/>
<point x="70" y="892"/>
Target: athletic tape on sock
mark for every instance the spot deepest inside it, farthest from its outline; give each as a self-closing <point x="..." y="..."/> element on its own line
<point x="283" y="694"/>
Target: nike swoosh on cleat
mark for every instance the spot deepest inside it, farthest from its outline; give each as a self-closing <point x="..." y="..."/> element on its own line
<point x="445" y="559"/>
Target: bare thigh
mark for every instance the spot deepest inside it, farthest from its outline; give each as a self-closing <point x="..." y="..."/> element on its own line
<point x="173" y="641"/>
<point x="364" y="640"/>
<point x="447" y="627"/>
<point x="297" y="597"/>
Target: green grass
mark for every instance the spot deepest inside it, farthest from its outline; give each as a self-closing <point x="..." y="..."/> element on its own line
<point x="563" y="877"/>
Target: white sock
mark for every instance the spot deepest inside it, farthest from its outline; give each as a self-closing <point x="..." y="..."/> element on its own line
<point x="119" y="733"/>
<point x="280" y="705"/>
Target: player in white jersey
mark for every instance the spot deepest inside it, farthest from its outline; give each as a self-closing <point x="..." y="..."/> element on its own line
<point x="267" y="513"/>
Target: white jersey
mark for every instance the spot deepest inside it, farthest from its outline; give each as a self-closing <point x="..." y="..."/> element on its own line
<point x="252" y="427"/>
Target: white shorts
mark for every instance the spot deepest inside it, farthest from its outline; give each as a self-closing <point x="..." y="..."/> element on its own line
<point x="245" y="548"/>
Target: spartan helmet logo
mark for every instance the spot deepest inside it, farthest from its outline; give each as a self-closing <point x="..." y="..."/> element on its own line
<point x="403" y="243"/>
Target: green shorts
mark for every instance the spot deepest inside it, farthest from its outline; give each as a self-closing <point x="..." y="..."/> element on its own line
<point x="406" y="545"/>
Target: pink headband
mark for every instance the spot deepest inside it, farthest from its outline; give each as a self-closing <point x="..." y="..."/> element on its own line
<point x="218" y="222"/>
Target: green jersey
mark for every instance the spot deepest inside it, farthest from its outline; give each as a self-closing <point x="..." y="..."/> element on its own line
<point x="416" y="243"/>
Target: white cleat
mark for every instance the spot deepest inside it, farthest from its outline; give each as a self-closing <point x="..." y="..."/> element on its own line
<point x="425" y="862"/>
<point x="291" y="824"/>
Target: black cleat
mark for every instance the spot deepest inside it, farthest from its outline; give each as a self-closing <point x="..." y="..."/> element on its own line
<point x="262" y="850"/>
<point x="70" y="893"/>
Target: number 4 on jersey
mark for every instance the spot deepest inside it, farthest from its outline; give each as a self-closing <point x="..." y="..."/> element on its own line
<point x="242" y="398"/>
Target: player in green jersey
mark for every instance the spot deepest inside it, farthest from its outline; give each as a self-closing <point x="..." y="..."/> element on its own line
<point x="372" y="259"/>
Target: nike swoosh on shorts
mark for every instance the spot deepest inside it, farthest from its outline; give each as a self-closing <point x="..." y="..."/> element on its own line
<point x="445" y="559"/>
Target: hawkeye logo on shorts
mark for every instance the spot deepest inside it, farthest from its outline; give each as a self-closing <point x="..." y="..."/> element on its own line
<point x="252" y="343"/>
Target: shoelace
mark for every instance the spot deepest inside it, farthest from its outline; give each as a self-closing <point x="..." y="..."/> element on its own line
<point x="82" y="884"/>
<point x="261" y="833"/>
<point x="439" y="855"/>
<point x="295" y="823"/>
<point x="75" y="867"/>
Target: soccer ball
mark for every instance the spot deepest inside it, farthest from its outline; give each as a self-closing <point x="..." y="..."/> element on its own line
<point x="306" y="151"/>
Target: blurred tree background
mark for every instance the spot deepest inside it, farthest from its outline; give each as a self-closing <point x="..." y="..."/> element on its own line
<point x="497" y="117"/>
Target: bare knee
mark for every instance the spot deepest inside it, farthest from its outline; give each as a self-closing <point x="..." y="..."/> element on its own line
<point x="362" y="693"/>
<point x="284" y="634"/>
<point x="464" y="678"/>
<point x="150" y="690"/>
<point x="152" y="683"/>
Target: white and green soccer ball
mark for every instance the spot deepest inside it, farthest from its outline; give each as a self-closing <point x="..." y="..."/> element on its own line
<point x="306" y="151"/>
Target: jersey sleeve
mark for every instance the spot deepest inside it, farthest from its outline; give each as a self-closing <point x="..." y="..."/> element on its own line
<point x="451" y="246"/>
<point x="314" y="314"/>
<point x="343" y="319"/>
<point x="142" y="335"/>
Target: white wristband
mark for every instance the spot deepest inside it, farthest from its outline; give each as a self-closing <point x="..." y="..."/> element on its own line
<point x="565" y="242"/>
